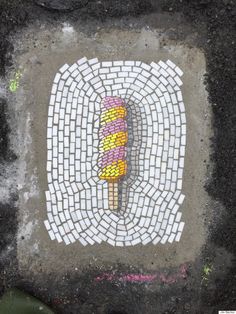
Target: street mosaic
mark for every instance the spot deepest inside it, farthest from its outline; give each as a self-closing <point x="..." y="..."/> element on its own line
<point x="116" y="139"/>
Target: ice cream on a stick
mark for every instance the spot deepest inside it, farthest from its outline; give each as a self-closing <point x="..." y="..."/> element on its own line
<point x="113" y="137"/>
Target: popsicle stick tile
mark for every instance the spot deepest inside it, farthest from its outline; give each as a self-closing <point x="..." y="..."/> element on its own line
<point x="148" y="193"/>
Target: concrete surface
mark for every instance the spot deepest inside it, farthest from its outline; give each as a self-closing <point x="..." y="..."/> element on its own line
<point x="38" y="64"/>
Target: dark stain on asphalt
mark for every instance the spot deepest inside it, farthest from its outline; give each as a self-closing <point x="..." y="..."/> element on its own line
<point x="214" y="22"/>
<point x="6" y="154"/>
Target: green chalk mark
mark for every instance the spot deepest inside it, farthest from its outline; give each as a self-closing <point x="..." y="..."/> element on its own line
<point x="207" y="269"/>
<point x="14" y="83"/>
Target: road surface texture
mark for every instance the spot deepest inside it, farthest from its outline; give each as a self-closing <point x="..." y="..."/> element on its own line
<point x="196" y="274"/>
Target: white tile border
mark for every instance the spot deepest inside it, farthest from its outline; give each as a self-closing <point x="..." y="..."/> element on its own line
<point x="77" y="205"/>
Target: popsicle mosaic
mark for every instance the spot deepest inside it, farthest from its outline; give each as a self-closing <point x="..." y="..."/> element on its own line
<point x="90" y="100"/>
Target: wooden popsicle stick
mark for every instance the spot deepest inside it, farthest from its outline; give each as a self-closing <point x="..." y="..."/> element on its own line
<point x="110" y="195"/>
<point x="113" y="195"/>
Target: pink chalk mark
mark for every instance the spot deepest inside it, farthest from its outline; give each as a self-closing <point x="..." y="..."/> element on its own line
<point x="105" y="276"/>
<point x="138" y="278"/>
<point x="146" y="278"/>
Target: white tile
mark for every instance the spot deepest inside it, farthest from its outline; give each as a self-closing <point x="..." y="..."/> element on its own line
<point x="86" y="71"/>
<point x="58" y="237"/>
<point x="168" y="229"/>
<point x="179" y="96"/>
<point x="50" y="217"/>
<point x="136" y="241"/>
<point x="171" y="72"/>
<point x="70" y="224"/>
<point x="181" y="106"/>
<point x="83" y="241"/>
<point x="96" y="66"/>
<point x="102" y="237"/>
<point x="171" y="238"/>
<point x="145" y="66"/>
<point x="47" y="225"/>
<point x="97" y="239"/>
<point x="64" y="68"/>
<point x="73" y="67"/>
<point x="182" y="151"/>
<point x="61" y="85"/>
<point x="111" y="76"/>
<point x="178" y="217"/>
<point x="71" y="238"/>
<point x="89" y="240"/>
<point x="51" y="235"/>
<point x="75" y="73"/>
<point x="83" y="67"/>
<point x="75" y="234"/>
<point x="93" y="61"/>
<point x="115" y="70"/>
<point x="82" y="60"/>
<point x="146" y="241"/>
<point x="119" y="80"/>
<point x="181" y="226"/>
<point x="179" y="71"/>
<point x="118" y="63"/>
<point x="107" y="64"/>
<point x="66" y="227"/>
<point x="119" y="243"/>
<point x="163" y="72"/>
<point x="171" y="64"/>
<point x="156" y="66"/>
<point x="178" y="80"/>
<point x="126" y="69"/>
<point x="62" y="217"/>
<point x="129" y="63"/>
<point x="54" y="89"/>
<point x="66" y="240"/>
<point x="181" y="199"/>
<point x="57" y="78"/>
<point x="65" y="75"/>
<point x="108" y="82"/>
<point x="175" y="227"/>
<point x="162" y="64"/>
<point x="111" y="242"/>
<point x="164" y="239"/>
<point x="57" y="220"/>
<point x="177" y="239"/>
<point x="164" y="81"/>
<point x="124" y="74"/>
